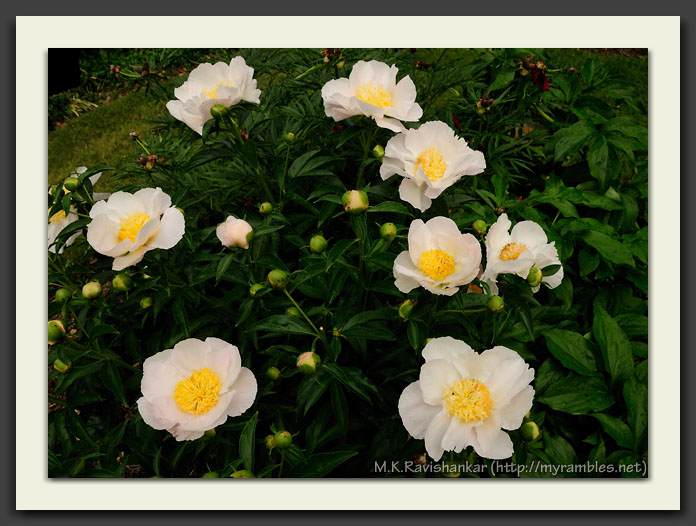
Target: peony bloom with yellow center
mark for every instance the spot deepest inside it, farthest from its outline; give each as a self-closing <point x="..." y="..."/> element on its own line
<point x="430" y="159"/>
<point x="234" y="232"/>
<point x="211" y="84"/>
<point x="194" y="387"/>
<point x="127" y="225"/>
<point x="463" y="398"/>
<point x="56" y="223"/>
<point x="439" y="258"/>
<point x="372" y="90"/>
<point x="517" y="251"/>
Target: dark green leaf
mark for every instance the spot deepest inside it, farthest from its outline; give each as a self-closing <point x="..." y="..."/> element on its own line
<point x="247" y="442"/>
<point x="577" y="395"/>
<point x="572" y="138"/>
<point x="609" y="248"/>
<point x="614" y="344"/>
<point x="322" y="464"/>
<point x="112" y="381"/>
<point x="282" y="324"/>
<point x="572" y="350"/>
<point x="616" y="429"/>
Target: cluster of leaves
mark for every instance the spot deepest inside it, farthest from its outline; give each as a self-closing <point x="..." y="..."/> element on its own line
<point x="572" y="158"/>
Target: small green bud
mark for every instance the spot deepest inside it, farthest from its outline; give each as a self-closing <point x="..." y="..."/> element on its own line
<point x="146" y="302"/>
<point x="211" y="475"/>
<point x="56" y="331"/>
<point x="387" y="231"/>
<point x="243" y="474"/>
<point x="480" y="226"/>
<point x="450" y="469"/>
<point x="265" y="208"/>
<point x="480" y="111"/>
<point x="249" y="237"/>
<point x="282" y="439"/>
<point x="278" y="279"/>
<point x="71" y="183"/>
<point x="273" y="373"/>
<point x="210" y="433"/>
<point x="219" y="111"/>
<point x="122" y="282"/>
<point x="405" y="309"/>
<point x="529" y="431"/>
<point x="495" y="303"/>
<point x="60" y="366"/>
<point x="91" y="290"/>
<point x="318" y="244"/>
<point x="289" y="137"/>
<point x="308" y="362"/>
<point x="255" y="288"/>
<point x="269" y="441"/>
<point x="340" y="64"/>
<point x="534" y="276"/>
<point x="355" y="202"/>
<point x="63" y="295"/>
<point x="378" y="152"/>
<point x="293" y="311"/>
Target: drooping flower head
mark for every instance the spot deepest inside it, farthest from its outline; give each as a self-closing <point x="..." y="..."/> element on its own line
<point x="194" y="387"/>
<point x="439" y="257"/>
<point x="463" y="398"/>
<point x="211" y="84"/>
<point x="372" y="90"/>
<point x="430" y="159"/>
<point x="517" y="251"/>
<point x="234" y="232"/>
<point x="127" y="225"/>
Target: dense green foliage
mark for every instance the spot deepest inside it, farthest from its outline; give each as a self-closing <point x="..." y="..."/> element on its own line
<point x="572" y="158"/>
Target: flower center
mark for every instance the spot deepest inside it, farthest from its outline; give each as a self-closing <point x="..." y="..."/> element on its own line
<point x="57" y="217"/>
<point x="436" y="264"/>
<point x="198" y="393"/>
<point x="469" y="400"/>
<point x="512" y="251"/>
<point x="374" y="95"/>
<point x="131" y="225"/>
<point x="432" y="163"/>
<point x="211" y="93"/>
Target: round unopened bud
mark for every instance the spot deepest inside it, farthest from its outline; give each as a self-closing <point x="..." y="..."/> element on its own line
<point x="273" y="373"/>
<point x="480" y="110"/>
<point x="378" y="152"/>
<point x="355" y="202"/>
<point x="219" y="111"/>
<point x="146" y="302"/>
<point x="534" y="276"/>
<point x="278" y="278"/>
<point x="243" y="474"/>
<point x="71" y="183"/>
<point x="340" y="64"/>
<point x="450" y="469"/>
<point x="269" y="441"/>
<point x="387" y="231"/>
<point x="211" y="475"/>
<point x="234" y="233"/>
<point x="495" y="303"/>
<point x="293" y="311"/>
<point x="308" y="362"/>
<point x="63" y="295"/>
<point x="289" y="137"/>
<point x="480" y="226"/>
<point x="255" y="288"/>
<point x="122" y="282"/>
<point x="60" y="366"/>
<point x="282" y="439"/>
<point x="56" y="331"/>
<point x="318" y="244"/>
<point x="210" y="433"/>
<point x="265" y="208"/>
<point x="529" y="431"/>
<point x="405" y="309"/>
<point x="92" y="290"/>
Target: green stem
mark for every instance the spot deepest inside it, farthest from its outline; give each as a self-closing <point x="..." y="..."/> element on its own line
<point x="285" y="172"/>
<point x="366" y="151"/>
<point x="320" y="334"/>
<point x="282" y="461"/>
<point x="264" y="185"/>
<point x="543" y="114"/>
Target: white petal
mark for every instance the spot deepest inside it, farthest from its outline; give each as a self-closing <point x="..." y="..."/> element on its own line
<point x="245" y="389"/>
<point x="529" y="233"/>
<point x="498" y="449"/>
<point x="225" y="360"/>
<point x="151" y="416"/>
<point x="435" y="377"/>
<point x="415" y="414"/>
<point x="189" y="355"/>
<point x="520" y="404"/>
<point x="458" y="436"/>
<point x="435" y="433"/>
<point x="171" y="230"/>
<point x="445" y="348"/>
<point x="498" y="236"/>
<point x="414" y="194"/>
<point x="488" y="430"/>
<point x="390" y="124"/>
<point x="129" y="259"/>
<point x="154" y="200"/>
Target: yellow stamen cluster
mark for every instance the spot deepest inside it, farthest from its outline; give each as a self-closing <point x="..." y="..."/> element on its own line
<point x="211" y="93"/>
<point x="432" y="163"/>
<point x="131" y="225"/>
<point x="57" y="217"/>
<point x="512" y="251"/>
<point x="436" y="264"/>
<point x="198" y="393"/>
<point x="374" y="95"/>
<point x="469" y="400"/>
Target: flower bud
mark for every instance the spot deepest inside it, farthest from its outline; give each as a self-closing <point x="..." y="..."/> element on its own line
<point x="495" y="303"/>
<point x="534" y="276"/>
<point x="405" y="309"/>
<point x="60" y="366"/>
<point x="529" y="431"/>
<point x="450" y="469"/>
<point x="122" y="282"/>
<point x="340" y="64"/>
<point x="265" y="208"/>
<point x="211" y="475"/>
<point x="71" y="183"/>
<point x="308" y="362"/>
<point x="146" y="302"/>
<point x="273" y="373"/>
<point x="210" y="433"/>
<point x="255" y="288"/>
<point x="387" y="231"/>
<point x="56" y="331"/>
<point x="269" y="441"/>
<point x="378" y="152"/>
<point x="282" y="439"/>
<point x="480" y="111"/>
<point x="234" y="233"/>
<point x="293" y="311"/>
<point x="92" y="290"/>
<point x="243" y="474"/>
<point x="278" y="278"/>
<point x="63" y="295"/>
<point x="480" y="226"/>
<point x="318" y="244"/>
<point x="355" y="202"/>
<point x="289" y="137"/>
<point x="219" y="111"/>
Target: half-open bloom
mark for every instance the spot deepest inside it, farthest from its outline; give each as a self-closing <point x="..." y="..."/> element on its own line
<point x="372" y="90"/>
<point x="56" y="223"/>
<point x="211" y="84"/>
<point x="194" y="387"/>
<point x="439" y="257"/>
<point x="517" y="251"/>
<point x="234" y="232"/>
<point x="463" y="398"/>
<point x="127" y="225"/>
<point x="430" y="159"/>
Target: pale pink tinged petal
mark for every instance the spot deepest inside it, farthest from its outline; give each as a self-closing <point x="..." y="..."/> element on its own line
<point x="159" y="376"/>
<point x="513" y="413"/>
<point x="189" y="355"/>
<point x="225" y="360"/>
<point x="150" y="416"/>
<point x="445" y="348"/>
<point x="171" y="230"/>
<point x="180" y="435"/>
<point x="414" y="194"/>
<point x="435" y="433"/>
<point x="500" y="448"/>
<point x="216" y="416"/>
<point x="390" y="124"/>
<point x="415" y="414"/>
<point x="129" y="259"/>
<point x="245" y="389"/>
<point x="529" y="233"/>
<point x="444" y="227"/>
<point x="458" y="436"/>
<point x="419" y="240"/>
<point x="435" y="377"/>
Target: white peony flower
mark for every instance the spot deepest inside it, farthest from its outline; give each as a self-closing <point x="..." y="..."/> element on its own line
<point x="233" y="232"/>
<point x="439" y="257"/>
<point x="430" y="159"/>
<point x="56" y="223"/>
<point x="464" y="398"/>
<point x="209" y="85"/>
<point x="372" y="90"/>
<point x="516" y="252"/>
<point x="127" y="225"/>
<point x="194" y="387"/>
